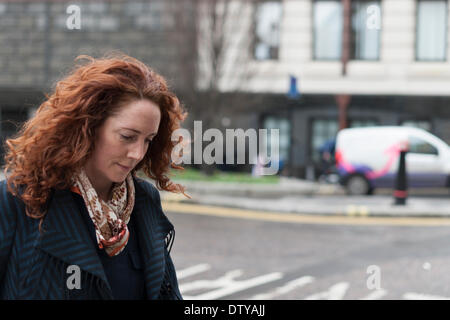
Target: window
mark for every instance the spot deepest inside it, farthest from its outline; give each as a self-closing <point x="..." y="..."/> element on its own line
<point x="323" y="131"/>
<point x="366" y="25"/>
<point x="328" y="22"/>
<point x="431" y="30"/>
<point x="267" y="30"/>
<point x="283" y="126"/>
<point x="417" y="145"/>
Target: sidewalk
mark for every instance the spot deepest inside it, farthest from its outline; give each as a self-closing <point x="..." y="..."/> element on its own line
<point x="305" y="197"/>
<point x="286" y="187"/>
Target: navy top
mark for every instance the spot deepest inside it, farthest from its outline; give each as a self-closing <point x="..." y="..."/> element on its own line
<point x="124" y="271"/>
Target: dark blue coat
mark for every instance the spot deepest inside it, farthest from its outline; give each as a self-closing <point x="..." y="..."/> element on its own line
<point x="35" y="266"/>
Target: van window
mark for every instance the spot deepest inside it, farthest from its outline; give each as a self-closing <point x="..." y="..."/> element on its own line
<point x="417" y="145"/>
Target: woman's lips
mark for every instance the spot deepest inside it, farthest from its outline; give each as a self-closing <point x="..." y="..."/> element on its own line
<point x="123" y="167"/>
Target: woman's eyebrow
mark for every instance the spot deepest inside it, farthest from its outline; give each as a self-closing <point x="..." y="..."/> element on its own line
<point x="137" y="131"/>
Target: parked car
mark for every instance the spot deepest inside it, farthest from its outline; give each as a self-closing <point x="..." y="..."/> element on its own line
<point x="367" y="158"/>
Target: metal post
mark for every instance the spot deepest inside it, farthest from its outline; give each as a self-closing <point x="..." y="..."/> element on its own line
<point x="401" y="183"/>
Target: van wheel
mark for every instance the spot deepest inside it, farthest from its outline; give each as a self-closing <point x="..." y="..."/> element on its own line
<point x="358" y="185"/>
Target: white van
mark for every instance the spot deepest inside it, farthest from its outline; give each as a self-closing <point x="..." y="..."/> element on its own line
<point x="368" y="158"/>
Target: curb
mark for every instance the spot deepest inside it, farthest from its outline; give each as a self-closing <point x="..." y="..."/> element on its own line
<point x="316" y="209"/>
<point x="286" y="187"/>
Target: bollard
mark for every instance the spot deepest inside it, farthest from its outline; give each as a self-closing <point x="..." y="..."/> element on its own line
<point x="401" y="182"/>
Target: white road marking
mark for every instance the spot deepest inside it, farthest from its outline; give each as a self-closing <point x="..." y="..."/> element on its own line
<point x="208" y="284"/>
<point x="336" y="292"/>
<point x="426" y="266"/>
<point x="181" y="274"/>
<point x="226" y="285"/>
<point x="421" y="296"/>
<point x="377" y="294"/>
<point x="297" y="283"/>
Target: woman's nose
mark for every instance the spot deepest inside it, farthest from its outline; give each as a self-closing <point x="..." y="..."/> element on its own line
<point x="137" y="151"/>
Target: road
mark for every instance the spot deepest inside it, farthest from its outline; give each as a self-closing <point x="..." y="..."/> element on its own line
<point x="220" y="256"/>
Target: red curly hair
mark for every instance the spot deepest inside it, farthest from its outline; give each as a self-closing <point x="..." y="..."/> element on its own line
<point x="60" y="137"/>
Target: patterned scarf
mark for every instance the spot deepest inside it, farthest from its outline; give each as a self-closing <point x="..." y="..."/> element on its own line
<point x="110" y="218"/>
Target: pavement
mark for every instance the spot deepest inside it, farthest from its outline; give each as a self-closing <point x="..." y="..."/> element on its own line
<point x="292" y="195"/>
<point x="309" y="198"/>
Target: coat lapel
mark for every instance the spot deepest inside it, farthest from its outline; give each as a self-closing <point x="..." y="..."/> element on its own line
<point x="153" y="228"/>
<point x="66" y="237"/>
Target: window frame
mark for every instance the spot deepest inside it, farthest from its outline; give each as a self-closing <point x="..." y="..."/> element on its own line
<point x="313" y="42"/>
<point x="254" y="40"/>
<point x="313" y="156"/>
<point x="416" y="36"/>
<point x="278" y="118"/>
<point x="352" y="37"/>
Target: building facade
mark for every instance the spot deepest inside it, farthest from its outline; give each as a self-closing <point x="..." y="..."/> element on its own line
<point x="397" y="73"/>
<point x="276" y="63"/>
<point x="39" y="41"/>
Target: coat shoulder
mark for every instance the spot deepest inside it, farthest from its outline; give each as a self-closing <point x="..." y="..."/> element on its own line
<point x="155" y="197"/>
<point x="9" y="213"/>
<point x="10" y="204"/>
<point x="4" y="189"/>
<point x="150" y="190"/>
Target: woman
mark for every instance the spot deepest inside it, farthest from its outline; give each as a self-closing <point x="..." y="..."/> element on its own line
<point x="75" y="220"/>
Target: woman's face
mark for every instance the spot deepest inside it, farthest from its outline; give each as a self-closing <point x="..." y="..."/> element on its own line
<point x="122" y="141"/>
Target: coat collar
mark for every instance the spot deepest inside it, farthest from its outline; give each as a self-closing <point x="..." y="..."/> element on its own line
<point x="66" y="236"/>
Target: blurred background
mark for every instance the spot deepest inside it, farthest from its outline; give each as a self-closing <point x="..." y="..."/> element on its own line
<point x="309" y="68"/>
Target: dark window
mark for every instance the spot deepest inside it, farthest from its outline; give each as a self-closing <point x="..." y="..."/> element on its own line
<point x="323" y="131"/>
<point x="284" y="127"/>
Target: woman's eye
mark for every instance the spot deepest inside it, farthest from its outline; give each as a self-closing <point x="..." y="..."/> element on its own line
<point x="125" y="137"/>
<point x="130" y="138"/>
